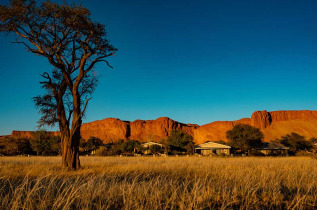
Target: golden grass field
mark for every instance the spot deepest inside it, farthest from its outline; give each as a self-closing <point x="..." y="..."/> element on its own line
<point x="159" y="183"/>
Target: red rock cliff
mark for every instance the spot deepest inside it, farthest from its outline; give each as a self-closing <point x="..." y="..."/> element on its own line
<point x="29" y="134"/>
<point x="263" y="119"/>
<point x="109" y="129"/>
<point x="273" y="124"/>
<point x="112" y="129"/>
<point x="154" y="130"/>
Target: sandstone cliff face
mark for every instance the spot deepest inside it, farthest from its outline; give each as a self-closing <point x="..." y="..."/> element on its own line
<point x="261" y="119"/>
<point x="272" y="124"/>
<point x="109" y="129"/>
<point x="216" y="131"/>
<point x="154" y="130"/>
<point x="112" y="129"/>
<point x="293" y="115"/>
<point x="29" y="134"/>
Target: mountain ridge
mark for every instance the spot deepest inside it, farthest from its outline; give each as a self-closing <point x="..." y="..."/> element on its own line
<point x="273" y="124"/>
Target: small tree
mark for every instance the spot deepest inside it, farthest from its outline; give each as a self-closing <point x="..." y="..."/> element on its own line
<point x="44" y="144"/>
<point x="244" y="137"/>
<point x="94" y="143"/>
<point x="180" y="141"/>
<point x="14" y="146"/>
<point x="295" y="142"/>
<point x="166" y="146"/>
<point x="154" y="149"/>
<point x="56" y="145"/>
<point x="73" y="44"/>
<point x="40" y="142"/>
<point x="129" y="146"/>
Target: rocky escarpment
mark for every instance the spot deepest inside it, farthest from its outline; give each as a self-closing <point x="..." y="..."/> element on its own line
<point x="263" y="119"/>
<point x="272" y="124"/>
<point x="111" y="129"/>
<point x="30" y="134"/>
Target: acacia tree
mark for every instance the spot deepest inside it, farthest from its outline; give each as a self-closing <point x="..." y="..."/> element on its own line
<point x="245" y="137"/>
<point x="73" y="44"/>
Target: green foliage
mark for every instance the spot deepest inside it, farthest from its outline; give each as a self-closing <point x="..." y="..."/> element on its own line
<point x="129" y="146"/>
<point x="245" y="137"/>
<point x="102" y="151"/>
<point x="295" y="142"/>
<point x="190" y="148"/>
<point x="93" y="143"/>
<point x="14" y="146"/>
<point x="44" y="144"/>
<point x="126" y="147"/>
<point x="69" y="39"/>
<point x="180" y="141"/>
<point x="166" y="146"/>
<point x="154" y="149"/>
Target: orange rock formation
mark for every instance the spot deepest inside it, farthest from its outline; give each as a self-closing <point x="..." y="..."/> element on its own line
<point x="273" y="124"/>
<point x="112" y="129"/>
<point x="109" y="129"/>
<point x="29" y="134"/>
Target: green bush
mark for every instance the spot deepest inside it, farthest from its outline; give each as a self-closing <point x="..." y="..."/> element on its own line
<point x="15" y="146"/>
<point x="45" y="144"/>
<point x="102" y="151"/>
<point x="295" y="142"/>
<point x="180" y="142"/>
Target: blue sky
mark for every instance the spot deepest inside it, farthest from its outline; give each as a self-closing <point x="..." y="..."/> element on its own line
<point x="192" y="61"/>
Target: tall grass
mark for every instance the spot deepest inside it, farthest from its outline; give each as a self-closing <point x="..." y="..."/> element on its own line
<point x="159" y="183"/>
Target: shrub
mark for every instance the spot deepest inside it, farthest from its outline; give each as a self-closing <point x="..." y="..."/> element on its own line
<point x="14" y="146"/>
<point x="102" y="151"/>
<point x="295" y="142"/>
<point x="180" y="141"/>
<point x="44" y="144"/>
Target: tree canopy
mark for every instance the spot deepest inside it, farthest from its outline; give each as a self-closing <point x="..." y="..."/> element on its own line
<point x="245" y="137"/>
<point x="180" y="141"/>
<point x="295" y="142"/>
<point x="73" y="44"/>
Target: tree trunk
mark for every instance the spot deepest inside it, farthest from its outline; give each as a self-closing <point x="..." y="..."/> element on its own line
<point x="70" y="151"/>
<point x="70" y="143"/>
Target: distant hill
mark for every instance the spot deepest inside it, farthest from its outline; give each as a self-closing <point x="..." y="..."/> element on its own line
<point x="273" y="124"/>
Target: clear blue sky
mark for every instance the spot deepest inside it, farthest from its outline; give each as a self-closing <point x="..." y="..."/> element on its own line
<point x="193" y="61"/>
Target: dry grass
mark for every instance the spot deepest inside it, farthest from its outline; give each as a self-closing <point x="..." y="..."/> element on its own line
<point x="159" y="183"/>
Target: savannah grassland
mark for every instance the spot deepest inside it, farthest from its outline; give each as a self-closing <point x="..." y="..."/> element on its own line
<point x="159" y="183"/>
